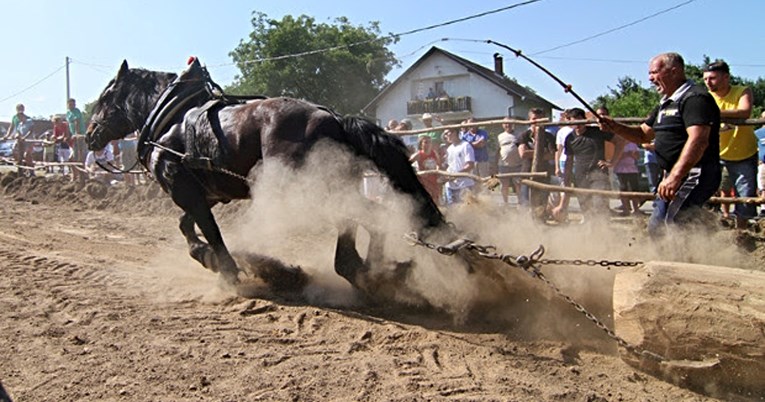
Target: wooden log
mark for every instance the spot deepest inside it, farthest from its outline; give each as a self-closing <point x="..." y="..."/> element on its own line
<point x="707" y="321"/>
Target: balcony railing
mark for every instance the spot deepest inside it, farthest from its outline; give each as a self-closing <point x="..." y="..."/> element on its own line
<point x="440" y="105"/>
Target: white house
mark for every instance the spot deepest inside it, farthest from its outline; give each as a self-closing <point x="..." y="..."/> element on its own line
<point x="454" y="88"/>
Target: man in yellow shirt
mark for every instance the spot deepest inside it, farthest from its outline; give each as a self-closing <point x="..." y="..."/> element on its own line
<point x="738" y="144"/>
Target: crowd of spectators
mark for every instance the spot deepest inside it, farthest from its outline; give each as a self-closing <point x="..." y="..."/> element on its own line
<point x="63" y="148"/>
<point x="578" y="155"/>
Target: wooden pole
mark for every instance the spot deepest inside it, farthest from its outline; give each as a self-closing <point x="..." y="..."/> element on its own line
<point x="634" y="194"/>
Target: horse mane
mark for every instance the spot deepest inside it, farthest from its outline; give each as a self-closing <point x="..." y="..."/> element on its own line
<point x="136" y="93"/>
<point x="149" y="85"/>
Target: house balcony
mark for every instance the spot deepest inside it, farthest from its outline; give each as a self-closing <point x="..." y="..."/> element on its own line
<point x="440" y="105"/>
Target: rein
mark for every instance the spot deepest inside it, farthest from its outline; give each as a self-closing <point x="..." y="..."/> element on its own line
<point x="116" y="170"/>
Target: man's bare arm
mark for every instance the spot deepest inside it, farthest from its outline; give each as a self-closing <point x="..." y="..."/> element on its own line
<point x="637" y="134"/>
<point x="743" y="109"/>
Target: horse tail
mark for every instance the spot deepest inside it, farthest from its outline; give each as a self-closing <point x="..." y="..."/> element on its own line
<point x="391" y="157"/>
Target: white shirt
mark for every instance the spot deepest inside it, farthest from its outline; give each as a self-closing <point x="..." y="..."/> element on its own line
<point x="457" y="156"/>
<point x="106" y="156"/>
<point x="508" y="150"/>
<point x="560" y="139"/>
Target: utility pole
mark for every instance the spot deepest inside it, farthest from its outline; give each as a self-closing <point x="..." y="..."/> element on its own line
<point x="67" y="60"/>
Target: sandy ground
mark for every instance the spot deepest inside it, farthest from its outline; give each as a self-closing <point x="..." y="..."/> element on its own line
<point x="99" y="301"/>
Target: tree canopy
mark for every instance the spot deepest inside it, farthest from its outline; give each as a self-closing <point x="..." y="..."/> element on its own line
<point x="340" y="65"/>
<point x="630" y="99"/>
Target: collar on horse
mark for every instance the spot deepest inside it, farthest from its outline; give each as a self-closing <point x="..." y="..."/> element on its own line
<point x="193" y="88"/>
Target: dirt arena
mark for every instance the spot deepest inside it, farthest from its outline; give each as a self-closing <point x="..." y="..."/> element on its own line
<point x="100" y="301"/>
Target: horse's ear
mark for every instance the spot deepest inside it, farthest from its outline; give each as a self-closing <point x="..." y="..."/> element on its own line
<point x="123" y="69"/>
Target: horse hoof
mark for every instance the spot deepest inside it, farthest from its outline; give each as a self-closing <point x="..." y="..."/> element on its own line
<point x="230" y="278"/>
<point x="229" y="273"/>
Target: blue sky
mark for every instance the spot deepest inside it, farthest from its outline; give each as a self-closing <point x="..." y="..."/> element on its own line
<point x="160" y="35"/>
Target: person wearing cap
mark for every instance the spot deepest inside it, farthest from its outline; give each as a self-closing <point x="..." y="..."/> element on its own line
<point x="738" y="144"/>
<point x="435" y="135"/>
<point x="685" y="127"/>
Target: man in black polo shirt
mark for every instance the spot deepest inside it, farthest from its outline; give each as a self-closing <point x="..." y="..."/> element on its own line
<point x="686" y="129"/>
<point x="586" y="163"/>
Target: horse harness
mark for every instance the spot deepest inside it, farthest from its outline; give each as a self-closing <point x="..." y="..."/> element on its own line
<point x="176" y="100"/>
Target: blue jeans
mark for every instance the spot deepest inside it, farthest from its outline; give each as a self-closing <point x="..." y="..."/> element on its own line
<point x="595" y="180"/>
<point x="454" y="196"/>
<point x="523" y="197"/>
<point x="709" y="182"/>
<point x="653" y="172"/>
<point x="743" y="173"/>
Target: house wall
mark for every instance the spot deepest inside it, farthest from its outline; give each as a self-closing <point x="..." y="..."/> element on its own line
<point x="488" y="100"/>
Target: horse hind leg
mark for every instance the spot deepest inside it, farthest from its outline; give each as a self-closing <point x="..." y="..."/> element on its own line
<point x="348" y="262"/>
<point x="382" y="282"/>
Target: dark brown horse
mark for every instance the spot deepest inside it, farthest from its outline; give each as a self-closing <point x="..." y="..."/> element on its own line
<point x="200" y="145"/>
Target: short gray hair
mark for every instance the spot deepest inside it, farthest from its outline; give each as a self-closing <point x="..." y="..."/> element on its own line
<point x="672" y="59"/>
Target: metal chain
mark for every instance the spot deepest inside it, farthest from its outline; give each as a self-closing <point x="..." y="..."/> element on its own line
<point x="230" y="173"/>
<point x="598" y="323"/>
<point x="603" y="263"/>
<point x="528" y="265"/>
<point x="198" y="163"/>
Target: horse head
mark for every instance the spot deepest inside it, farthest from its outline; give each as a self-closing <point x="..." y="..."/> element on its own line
<point x="125" y="104"/>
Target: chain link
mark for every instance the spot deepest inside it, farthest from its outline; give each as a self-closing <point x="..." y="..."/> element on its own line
<point x="591" y="263"/>
<point x="230" y="173"/>
<point x="529" y="265"/>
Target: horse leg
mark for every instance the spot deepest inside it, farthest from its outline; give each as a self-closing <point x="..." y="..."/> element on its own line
<point x="220" y="259"/>
<point x="198" y="249"/>
<point x="187" y="194"/>
<point x="348" y="262"/>
<point x="358" y="271"/>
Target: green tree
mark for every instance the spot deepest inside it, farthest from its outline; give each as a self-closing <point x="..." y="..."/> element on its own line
<point x="629" y="99"/>
<point x="345" y="77"/>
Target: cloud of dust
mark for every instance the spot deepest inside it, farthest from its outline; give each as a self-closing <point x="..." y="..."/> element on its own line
<point x="592" y="286"/>
<point x="173" y="276"/>
<point x="295" y="215"/>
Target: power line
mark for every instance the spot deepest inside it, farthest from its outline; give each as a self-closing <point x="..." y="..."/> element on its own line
<point x="90" y="64"/>
<point x="33" y="85"/>
<point x="470" y="17"/>
<point x="106" y="70"/>
<point x="391" y="36"/>
<point x="614" y="29"/>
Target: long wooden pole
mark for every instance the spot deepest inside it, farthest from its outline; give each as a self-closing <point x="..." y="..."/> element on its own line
<point x="633" y="194"/>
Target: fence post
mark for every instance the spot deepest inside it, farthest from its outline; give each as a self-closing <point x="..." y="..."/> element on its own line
<point x="538" y="198"/>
